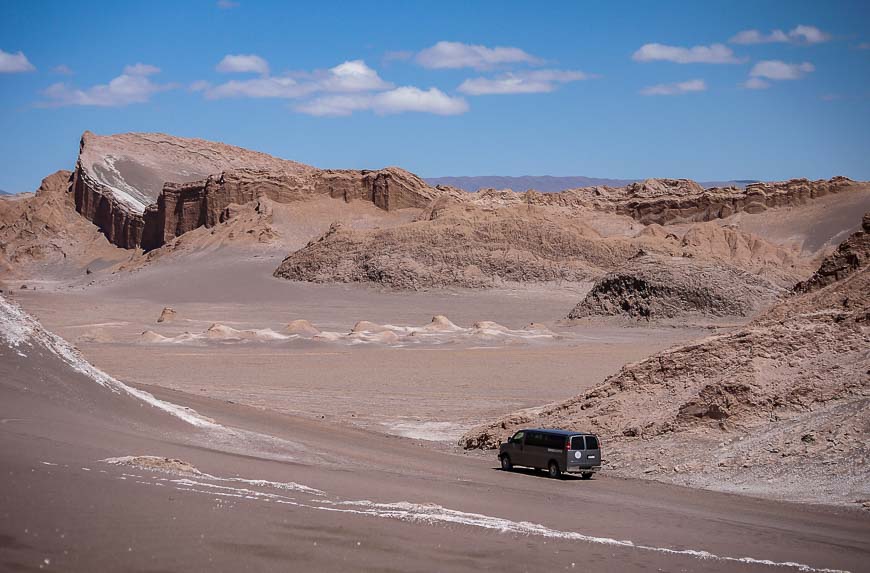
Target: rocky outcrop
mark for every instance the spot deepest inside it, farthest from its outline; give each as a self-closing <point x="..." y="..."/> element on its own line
<point x="651" y="287"/>
<point x="44" y="229"/>
<point x="143" y="189"/>
<point x="182" y="207"/>
<point x="458" y="243"/>
<point x="671" y="201"/>
<point x="458" y="246"/>
<point x="690" y="204"/>
<point x="850" y="256"/>
<point x="118" y="176"/>
<point x="118" y="221"/>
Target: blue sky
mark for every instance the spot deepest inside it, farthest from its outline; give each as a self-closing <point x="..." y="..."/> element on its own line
<point x="707" y="90"/>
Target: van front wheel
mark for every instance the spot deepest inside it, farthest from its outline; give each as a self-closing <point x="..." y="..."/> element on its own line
<point x="553" y="470"/>
<point x="506" y="463"/>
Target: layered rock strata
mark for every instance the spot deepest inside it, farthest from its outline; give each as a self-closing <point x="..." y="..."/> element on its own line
<point x="144" y="189"/>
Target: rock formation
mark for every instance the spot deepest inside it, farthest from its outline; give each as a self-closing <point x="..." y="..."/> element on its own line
<point x="118" y="176"/>
<point x="182" y="207"/>
<point x="167" y="314"/>
<point x="652" y="287"/>
<point x="670" y="201"/>
<point x="462" y="244"/>
<point x="143" y="189"/>
<point x="43" y="228"/>
<point x="458" y="247"/>
<point x="849" y="257"/>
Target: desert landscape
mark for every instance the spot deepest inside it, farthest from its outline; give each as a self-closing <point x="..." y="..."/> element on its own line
<point x="340" y="330"/>
<point x="214" y="358"/>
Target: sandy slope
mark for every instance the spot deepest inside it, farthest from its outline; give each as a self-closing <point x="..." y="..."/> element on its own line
<point x="311" y="495"/>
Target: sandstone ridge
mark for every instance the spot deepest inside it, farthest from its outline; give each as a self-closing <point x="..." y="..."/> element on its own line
<point x="143" y="189"/>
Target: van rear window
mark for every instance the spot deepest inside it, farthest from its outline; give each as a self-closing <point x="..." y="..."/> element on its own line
<point x="577" y="443"/>
<point x="591" y="443"/>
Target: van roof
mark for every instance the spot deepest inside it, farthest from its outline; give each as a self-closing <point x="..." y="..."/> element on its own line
<point x="558" y="432"/>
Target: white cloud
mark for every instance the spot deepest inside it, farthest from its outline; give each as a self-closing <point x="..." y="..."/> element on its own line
<point x="227" y="4"/>
<point x="126" y="89"/>
<point x="756" y="37"/>
<point x="268" y="87"/>
<point x="63" y="70"/>
<point x="12" y="63"/>
<point x="712" y="54"/>
<point x="336" y="105"/>
<point x="399" y="100"/>
<point x="141" y="70"/>
<point x="688" y="86"/>
<point x="778" y="70"/>
<point x="351" y="76"/>
<point x="459" y="55"/>
<point x="755" y="84"/>
<point x="800" y="34"/>
<point x="535" y="81"/>
<point x="808" y="35"/>
<point x="243" y="63"/>
<point x="409" y="98"/>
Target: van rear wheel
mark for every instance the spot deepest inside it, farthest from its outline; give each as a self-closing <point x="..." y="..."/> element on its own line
<point x="553" y="470"/>
<point x="506" y="463"/>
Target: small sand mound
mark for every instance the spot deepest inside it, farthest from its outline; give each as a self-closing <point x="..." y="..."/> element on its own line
<point x="262" y="334"/>
<point x="385" y="337"/>
<point x="95" y="336"/>
<point x="489" y="325"/>
<point x="329" y="336"/>
<point x="168" y="465"/>
<point x="151" y="337"/>
<point x="222" y="332"/>
<point x="441" y="323"/>
<point x="366" y="326"/>
<point x="167" y="315"/>
<point x="302" y="328"/>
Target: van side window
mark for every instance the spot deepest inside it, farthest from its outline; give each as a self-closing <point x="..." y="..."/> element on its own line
<point x="554" y="441"/>
<point x="577" y="443"/>
<point x="591" y="443"/>
<point x="535" y="439"/>
<point x="518" y="438"/>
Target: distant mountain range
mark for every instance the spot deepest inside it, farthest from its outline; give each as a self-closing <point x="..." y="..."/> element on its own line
<point x="547" y="183"/>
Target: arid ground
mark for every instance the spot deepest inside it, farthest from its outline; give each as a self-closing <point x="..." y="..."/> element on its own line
<point x="312" y="378"/>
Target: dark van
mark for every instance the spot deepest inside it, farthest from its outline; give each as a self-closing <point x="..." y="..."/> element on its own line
<point x="556" y="451"/>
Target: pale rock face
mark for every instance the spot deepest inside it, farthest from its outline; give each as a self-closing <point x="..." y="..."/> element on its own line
<point x="133" y="167"/>
<point x="167" y="315"/>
